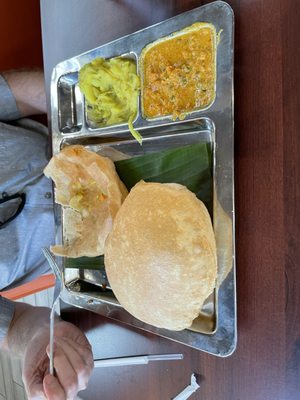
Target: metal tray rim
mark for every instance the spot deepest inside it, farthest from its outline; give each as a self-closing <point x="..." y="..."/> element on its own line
<point x="208" y="344"/>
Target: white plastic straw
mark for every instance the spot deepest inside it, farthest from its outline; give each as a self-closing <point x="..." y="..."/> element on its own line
<point x="189" y="390"/>
<point x="136" y="360"/>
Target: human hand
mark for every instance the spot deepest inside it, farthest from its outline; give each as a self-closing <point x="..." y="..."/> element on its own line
<point x="73" y="363"/>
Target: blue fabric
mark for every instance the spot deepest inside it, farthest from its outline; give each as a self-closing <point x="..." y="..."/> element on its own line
<point x="7" y="309"/>
<point x="23" y="156"/>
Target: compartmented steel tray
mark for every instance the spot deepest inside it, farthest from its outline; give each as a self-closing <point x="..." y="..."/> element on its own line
<point x="215" y="330"/>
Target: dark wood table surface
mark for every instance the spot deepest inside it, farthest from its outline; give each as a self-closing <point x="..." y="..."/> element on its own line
<point x="266" y="363"/>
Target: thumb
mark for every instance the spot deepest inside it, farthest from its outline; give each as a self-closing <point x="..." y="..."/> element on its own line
<point x="53" y="389"/>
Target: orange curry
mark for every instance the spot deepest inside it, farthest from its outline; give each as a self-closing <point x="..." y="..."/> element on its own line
<point x="178" y="72"/>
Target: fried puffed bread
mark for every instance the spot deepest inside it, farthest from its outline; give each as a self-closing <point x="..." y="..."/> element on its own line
<point x="160" y="256"/>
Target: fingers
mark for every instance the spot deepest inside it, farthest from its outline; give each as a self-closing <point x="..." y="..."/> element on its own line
<point x="85" y="351"/>
<point x="53" y="389"/>
<point x="66" y="329"/>
<point x="80" y="358"/>
<point x="36" y="392"/>
<point x="32" y="377"/>
<point x="66" y="375"/>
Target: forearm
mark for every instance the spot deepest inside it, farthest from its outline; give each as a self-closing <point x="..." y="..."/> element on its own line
<point x="28" y="88"/>
<point x="24" y="325"/>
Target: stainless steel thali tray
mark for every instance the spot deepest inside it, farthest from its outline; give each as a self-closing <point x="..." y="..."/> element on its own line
<point x="215" y="332"/>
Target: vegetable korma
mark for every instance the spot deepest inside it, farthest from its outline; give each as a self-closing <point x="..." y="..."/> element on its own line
<point x="178" y="73"/>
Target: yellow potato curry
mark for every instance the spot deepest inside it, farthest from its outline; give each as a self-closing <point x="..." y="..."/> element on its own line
<point x="179" y="72"/>
<point x="111" y="89"/>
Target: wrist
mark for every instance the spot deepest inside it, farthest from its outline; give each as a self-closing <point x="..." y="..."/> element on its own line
<point x="28" y="88"/>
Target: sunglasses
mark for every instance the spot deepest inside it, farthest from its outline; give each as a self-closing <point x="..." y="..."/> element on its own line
<point x="10" y="207"/>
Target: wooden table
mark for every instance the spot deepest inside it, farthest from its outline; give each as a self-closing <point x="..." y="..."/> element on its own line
<point x="266" y="364"/>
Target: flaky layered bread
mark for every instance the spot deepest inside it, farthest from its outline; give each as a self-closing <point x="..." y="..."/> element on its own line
<point x="91" y="192"/>
<point x="160" y="256"/>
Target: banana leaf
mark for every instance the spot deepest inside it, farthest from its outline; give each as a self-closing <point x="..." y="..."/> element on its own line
<point x="189" y="165"/>
<point x="95" y="263"/>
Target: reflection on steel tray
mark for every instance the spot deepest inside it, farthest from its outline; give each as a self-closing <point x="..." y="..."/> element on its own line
<point x="215" y="329"/>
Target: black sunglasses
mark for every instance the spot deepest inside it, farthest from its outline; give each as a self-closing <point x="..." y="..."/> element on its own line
<point x="14" y="204"/>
